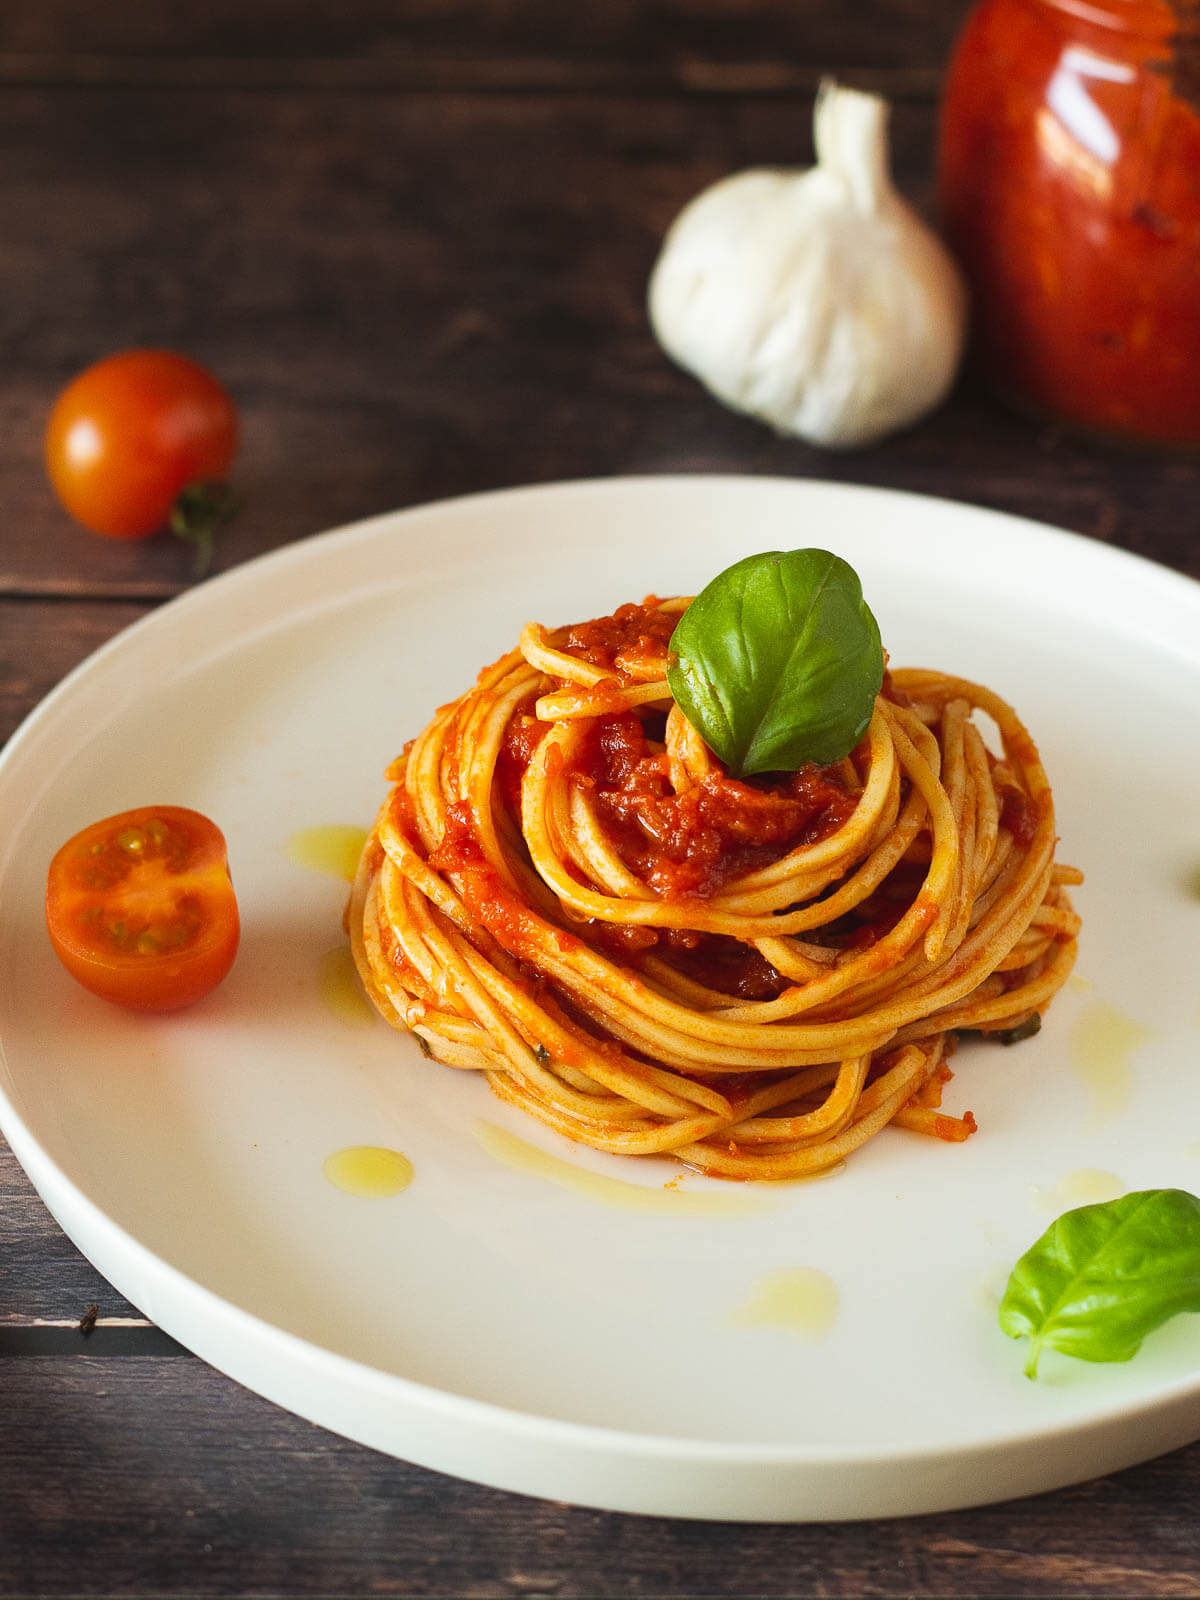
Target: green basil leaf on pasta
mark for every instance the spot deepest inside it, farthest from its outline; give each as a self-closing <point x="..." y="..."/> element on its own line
<point x="1102" y="1277"/>
<point x="778" y="662"/>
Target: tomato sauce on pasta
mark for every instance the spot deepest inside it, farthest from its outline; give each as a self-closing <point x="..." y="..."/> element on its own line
<point x="566" y="891"/>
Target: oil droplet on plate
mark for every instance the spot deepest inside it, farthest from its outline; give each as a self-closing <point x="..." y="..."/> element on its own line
<point x="340" y="989"/>
<point x="333" y="849"/>
<point x="1101" y="1046"/>
<point x="801" y="1300"/>
<point x="1080" y="984"/>
<point x="514" y="1152"/>
<point x="1086" y="1186"/>
<point x="369" y="1171"/>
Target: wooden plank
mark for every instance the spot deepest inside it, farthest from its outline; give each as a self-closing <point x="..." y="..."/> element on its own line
<point x="90" y="1336"/>
<point x="414" y="238"/>
<point x="624" y="37"/>
<point x="435" y="75"/>
<point x="409" y="306"/>
<point x="405" y="305"/>
<point x="43" y="1276"/>
<point x="144" y="1475"/>
<point x="41" y="641"/>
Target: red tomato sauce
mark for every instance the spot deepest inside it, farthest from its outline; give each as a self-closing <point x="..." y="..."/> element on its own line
<point x="695" y="842"/>
<point x="510" y="921"/>
<point x="726" y="965"/>
<point x="1069" y="176"/>
<point x="684" y="845"/>
<point x="521" y="738"/>
<point x="1018" y="816"/>
<point x="633" y="633"/>
<point x="710" y="959"/>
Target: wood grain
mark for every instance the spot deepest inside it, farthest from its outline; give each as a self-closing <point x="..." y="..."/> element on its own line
<point x="413" y="236"/>
<point x="252" y="1492"/>
<point x="44" y="1277"/>
<point x="41" y="641"/>
<point x="628" y="41"/>
<point x="409" y="306"/>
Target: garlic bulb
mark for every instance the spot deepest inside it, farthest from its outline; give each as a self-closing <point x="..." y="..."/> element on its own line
<point x="816" y="300"/>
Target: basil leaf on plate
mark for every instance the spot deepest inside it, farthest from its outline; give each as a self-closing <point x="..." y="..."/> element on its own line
<point x="778" y="661"/>
<point x="1102" y="1277"/>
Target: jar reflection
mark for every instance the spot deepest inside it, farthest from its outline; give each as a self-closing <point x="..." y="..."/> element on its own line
<point x="1069" y="175"/>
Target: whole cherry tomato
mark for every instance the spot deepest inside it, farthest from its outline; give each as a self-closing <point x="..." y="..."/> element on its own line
<point x="141" y="910"/>
<point x="136" y="433"/>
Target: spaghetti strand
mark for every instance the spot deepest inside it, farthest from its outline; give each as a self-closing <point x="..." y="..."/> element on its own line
<point x="566" y="891"/>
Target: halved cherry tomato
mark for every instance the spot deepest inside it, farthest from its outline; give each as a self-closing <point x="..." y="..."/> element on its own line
<point x="141" y="909"/>
<point x="129" y="435"/>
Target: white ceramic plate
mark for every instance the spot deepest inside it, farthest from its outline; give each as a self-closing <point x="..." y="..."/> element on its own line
<point x="493" y="1322"/>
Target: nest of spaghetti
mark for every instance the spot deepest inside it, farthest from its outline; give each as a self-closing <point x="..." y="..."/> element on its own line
<point x="566" y="891"/>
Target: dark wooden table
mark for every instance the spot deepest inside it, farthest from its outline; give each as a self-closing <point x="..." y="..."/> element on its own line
<point x="414" y="240"/>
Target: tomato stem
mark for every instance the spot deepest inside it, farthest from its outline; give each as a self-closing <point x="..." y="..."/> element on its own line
<point x="199" y="511"/>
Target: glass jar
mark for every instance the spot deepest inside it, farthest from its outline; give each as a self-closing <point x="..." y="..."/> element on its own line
<point x="1069" y="183"/>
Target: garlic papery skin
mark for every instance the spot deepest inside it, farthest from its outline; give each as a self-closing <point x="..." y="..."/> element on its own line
<point x="816" y="300"/>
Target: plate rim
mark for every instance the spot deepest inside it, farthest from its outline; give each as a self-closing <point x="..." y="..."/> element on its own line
<point x="83" y="1215"/>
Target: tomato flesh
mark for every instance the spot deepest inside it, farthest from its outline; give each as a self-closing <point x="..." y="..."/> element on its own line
<point x="129" y="434"/>
<point x="141" y="910"/>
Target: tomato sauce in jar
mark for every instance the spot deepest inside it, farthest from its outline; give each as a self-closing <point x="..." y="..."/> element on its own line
<point x="1069" y="181"/>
